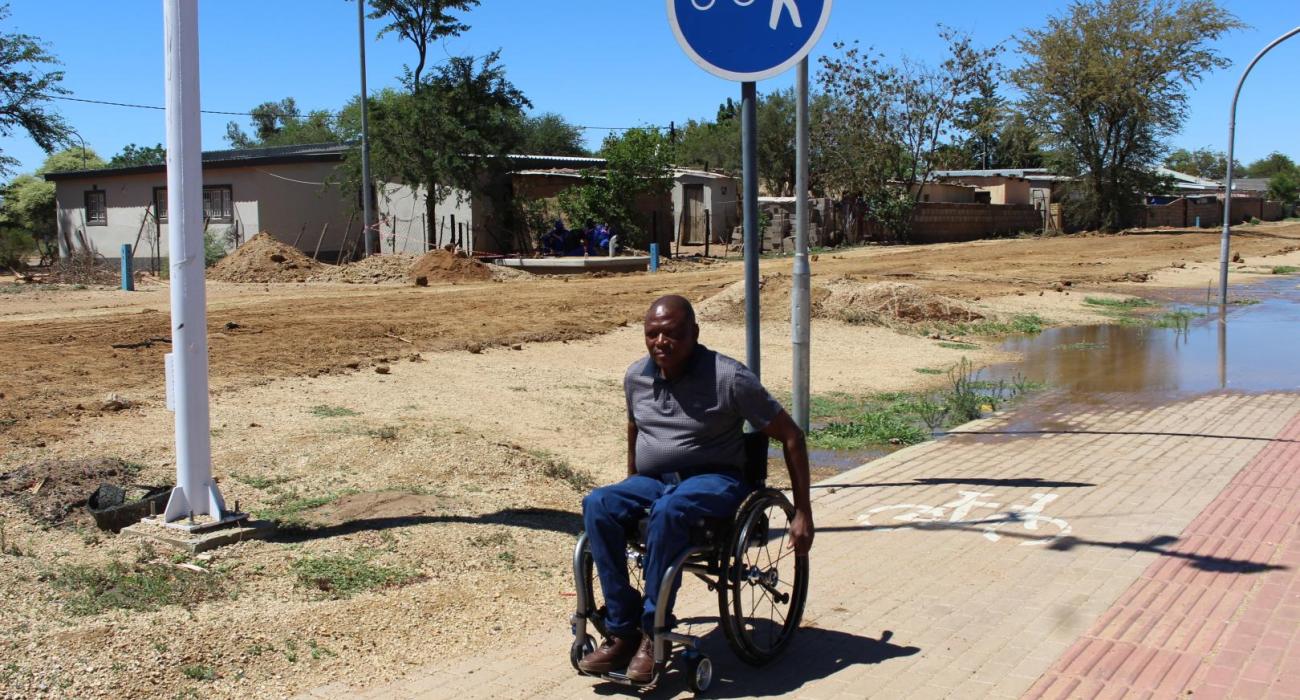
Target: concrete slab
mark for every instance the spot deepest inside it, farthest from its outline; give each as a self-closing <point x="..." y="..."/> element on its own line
<point x="203" y="540"/>
<point x="577" y="266"/>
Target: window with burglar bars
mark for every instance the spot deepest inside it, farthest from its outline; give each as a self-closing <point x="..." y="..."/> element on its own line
<point x="218" y="204"/>
<point x="96" y="208"/>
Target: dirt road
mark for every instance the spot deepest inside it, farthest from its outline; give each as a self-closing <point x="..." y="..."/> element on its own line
<point x="57" y="361"/>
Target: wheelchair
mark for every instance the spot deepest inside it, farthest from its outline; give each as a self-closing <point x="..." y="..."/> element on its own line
<point x="761" y="584"/>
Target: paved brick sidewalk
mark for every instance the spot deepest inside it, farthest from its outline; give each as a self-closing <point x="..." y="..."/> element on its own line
<point x="1130" y="518"/>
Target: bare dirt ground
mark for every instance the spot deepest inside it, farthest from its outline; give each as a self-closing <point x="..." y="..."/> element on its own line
<point x="459" y="470"/>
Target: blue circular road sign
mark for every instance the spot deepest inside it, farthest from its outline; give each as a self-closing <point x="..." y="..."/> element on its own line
<point x="746" y="40"/>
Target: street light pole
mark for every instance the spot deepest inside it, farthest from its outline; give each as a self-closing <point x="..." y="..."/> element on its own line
<point x="1227" y="194"/>
<point x="370" y="234"/>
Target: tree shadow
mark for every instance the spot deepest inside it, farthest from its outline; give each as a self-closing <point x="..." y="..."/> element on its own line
<point x="1020" y="482"/>
<point x="546" y="519"/>
<point x="813" y="654"/>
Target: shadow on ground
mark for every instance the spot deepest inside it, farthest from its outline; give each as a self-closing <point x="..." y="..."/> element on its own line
<point x="1017" y="483"/>
<point x="813" y="654"/>
<point x="547" y="519"/>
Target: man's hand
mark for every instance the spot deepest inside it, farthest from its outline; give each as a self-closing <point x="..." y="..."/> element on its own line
<point x="801" y="532"/>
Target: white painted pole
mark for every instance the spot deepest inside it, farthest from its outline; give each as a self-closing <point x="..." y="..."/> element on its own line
<point x="195" y="492"/>
<point x="801" y="293"/>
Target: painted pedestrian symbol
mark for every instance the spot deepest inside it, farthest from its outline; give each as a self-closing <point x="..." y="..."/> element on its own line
<point x="779" y="7"/>
<point x="957" y="514"/>
<point x="748" y="40"/>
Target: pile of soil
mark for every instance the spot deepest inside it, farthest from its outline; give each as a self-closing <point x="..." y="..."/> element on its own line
<point x="264" y="259"/>
<point x="53" y="489"/>
<point x="841" y="299"/>
<point x="376" y="269"/>
<point x="445" y="266"/>
<point x="888" y="304"/>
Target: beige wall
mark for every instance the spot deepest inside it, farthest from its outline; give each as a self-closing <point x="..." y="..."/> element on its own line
<point x="403" y="222"/>
<point x="1002" y="190"/>
<point x="285" y="206"/>
<point x="947" y="192"/>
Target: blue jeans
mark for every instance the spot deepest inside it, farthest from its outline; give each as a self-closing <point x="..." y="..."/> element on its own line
<point x="609" y="511"/>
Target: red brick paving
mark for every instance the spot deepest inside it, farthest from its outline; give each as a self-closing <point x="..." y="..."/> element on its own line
<point x="1205" y="624"/>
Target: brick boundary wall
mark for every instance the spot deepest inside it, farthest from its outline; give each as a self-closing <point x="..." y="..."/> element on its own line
<point x="947" y="222"/>
<point x="1183" y="213"/>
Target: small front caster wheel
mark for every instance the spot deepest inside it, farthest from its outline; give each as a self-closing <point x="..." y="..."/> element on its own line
<point x="699" y="674"/>
<point x="581" y="647"/>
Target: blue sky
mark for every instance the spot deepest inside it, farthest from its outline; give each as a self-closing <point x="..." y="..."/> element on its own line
<point x="600" y="63"/>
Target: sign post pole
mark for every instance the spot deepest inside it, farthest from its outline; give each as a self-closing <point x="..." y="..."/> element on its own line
<point x="747" y="41"/>
<point x="801" y="289"/>
<point x="195" y="493"/>
<point x="753" y="239"/>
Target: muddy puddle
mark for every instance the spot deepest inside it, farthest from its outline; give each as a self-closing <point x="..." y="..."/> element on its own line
<point x="1254" y="347"/>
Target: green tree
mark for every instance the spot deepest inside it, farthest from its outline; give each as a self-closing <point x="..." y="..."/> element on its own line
<point x="1018" y="143"/>
<point x="1285" y="188"/>
<point x="455" y="133"/>
<point x="715" y="145"/>
<point x="133" y="155"/>
<point x="28" y="201"/>
<point x="26" y="88"/>
<point x="1107" y="82"/>
<point x="283" y="124"/>
<point x="639" y="164"/>
<point x="551" y="135"/>
<point x="421" y="22"/>
<point x="883" y="128"/>
<point x="1271" y="165"/>
<point x="1202" y="162"/>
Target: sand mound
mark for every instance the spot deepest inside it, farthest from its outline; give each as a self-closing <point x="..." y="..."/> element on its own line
<point x="443" y="266"/>
<point x="264" y="259"/>
<point x="376" y="269"/>
<point x="842" y="299"/>
<point x="888" y="303"/>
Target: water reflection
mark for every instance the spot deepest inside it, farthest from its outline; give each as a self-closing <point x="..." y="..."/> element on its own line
<point x="1264" y="339"/>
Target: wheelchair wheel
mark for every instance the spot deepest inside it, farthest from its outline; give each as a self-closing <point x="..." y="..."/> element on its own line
<point x="764" y="583"/>
<point x="591" y="584"/>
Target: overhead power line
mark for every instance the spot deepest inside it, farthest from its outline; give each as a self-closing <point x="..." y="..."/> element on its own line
<point x="110" y="103"/>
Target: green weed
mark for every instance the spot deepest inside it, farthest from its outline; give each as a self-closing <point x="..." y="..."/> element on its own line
<point x="871" y="428"/>
<point x="94" y="589"/>
<point x="1022" y="324"/>
<point x="1123" y="304"/>
<point x="288" y="509"/>
<point x="199" y="672"/>
<point x="1174" y="319"/>
<point x="262" y="482"/>
<point x="927" y="370"/>
<point x="344" y="575"/>
<point x="386" y="432"/>
<point x="324" y="411"/>
<point x="556" y="468"/>
<point x="1285" y="270"/>
<point x="958" y="346"/>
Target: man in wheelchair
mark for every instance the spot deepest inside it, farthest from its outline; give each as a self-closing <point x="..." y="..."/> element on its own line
<point x="686" y="456"/>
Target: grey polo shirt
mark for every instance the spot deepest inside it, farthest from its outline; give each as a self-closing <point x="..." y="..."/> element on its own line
<point x="695" y="421"/>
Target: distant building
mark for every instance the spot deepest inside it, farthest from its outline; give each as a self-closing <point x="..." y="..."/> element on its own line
<point x="285" y="191"/>
<point x="1034" y="186"/>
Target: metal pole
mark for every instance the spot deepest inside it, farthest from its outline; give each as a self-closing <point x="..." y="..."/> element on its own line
<point x="749" y="160"/>
<point x="801" y="292"/>
<point x="367" y="221"/>
<point x="195" y="492"/>
<point x="1227" y="194"/>
<point x="128" y="278"/>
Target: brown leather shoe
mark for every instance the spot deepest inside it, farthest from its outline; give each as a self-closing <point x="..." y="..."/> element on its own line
<point x="616" y="652"/>
<point x="641" y="669"/>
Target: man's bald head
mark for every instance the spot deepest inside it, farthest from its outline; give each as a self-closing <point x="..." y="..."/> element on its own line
<point x="671" y="304"/>
<point x="671" y="333"/>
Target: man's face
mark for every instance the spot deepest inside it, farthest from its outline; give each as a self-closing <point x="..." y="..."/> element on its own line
<point x="670" y="338"/>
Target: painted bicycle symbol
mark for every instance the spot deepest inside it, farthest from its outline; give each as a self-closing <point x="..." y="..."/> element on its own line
<point x="777" y="7"/>
<point x="957" y="514"/>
